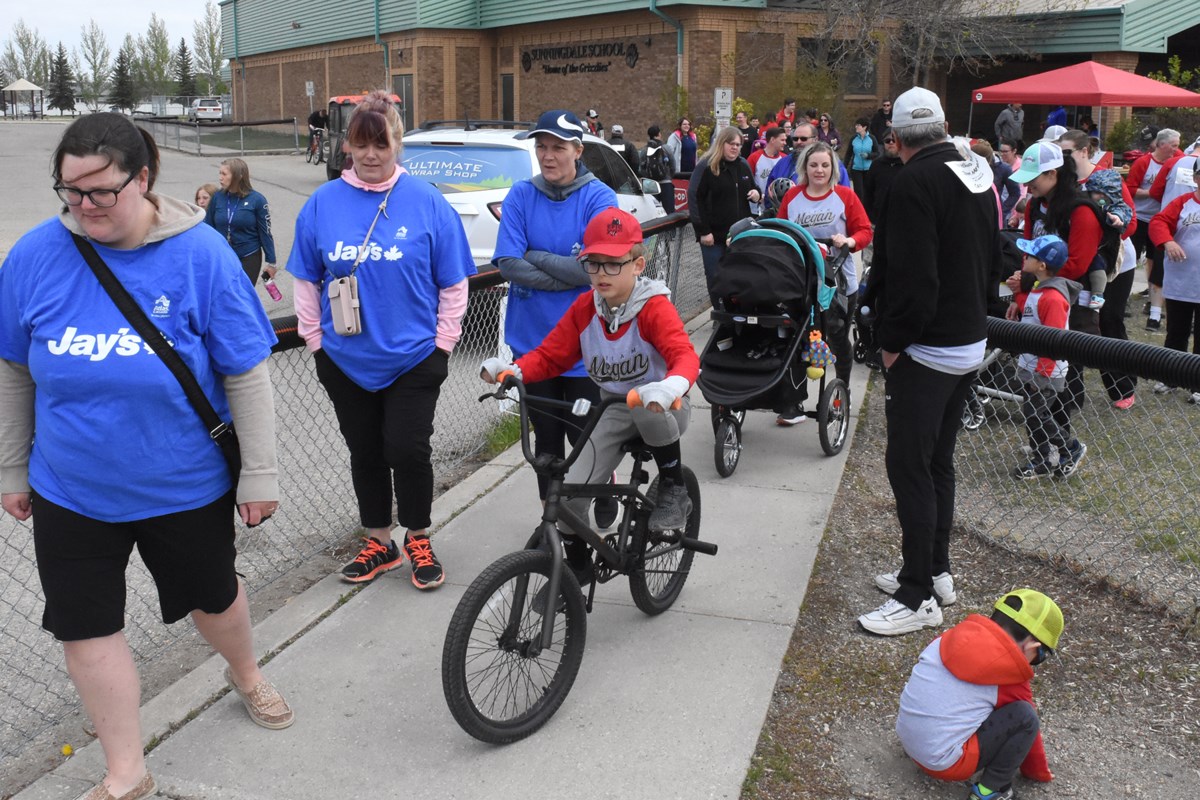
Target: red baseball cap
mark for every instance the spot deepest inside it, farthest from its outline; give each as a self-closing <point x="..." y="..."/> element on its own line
<point x="612" y="232"/>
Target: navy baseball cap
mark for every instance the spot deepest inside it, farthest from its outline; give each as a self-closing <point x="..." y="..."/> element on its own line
<point x="1048" y="249"/>
<point x="563" y="124"/>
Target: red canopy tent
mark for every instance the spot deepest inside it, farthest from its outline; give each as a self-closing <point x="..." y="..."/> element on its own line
<point x="1087" y="84"/>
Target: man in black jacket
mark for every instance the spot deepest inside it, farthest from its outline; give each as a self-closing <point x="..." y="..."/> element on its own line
<point x="933" y="249"/>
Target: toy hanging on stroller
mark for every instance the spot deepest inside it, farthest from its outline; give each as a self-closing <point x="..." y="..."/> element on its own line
<point x="773" y="291"/>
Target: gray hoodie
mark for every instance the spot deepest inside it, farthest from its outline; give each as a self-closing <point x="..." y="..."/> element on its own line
<point x="541" y="269"/>
<point x="643" y="290"/>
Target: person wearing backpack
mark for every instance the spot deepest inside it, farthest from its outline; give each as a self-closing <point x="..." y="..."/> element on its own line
<point x="654" y="162"/>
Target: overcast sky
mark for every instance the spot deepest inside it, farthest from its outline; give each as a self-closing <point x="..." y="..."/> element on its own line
<point x="61" y="20"/>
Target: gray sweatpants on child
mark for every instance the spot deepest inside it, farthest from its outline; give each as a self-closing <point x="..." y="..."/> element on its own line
<point x="620" y="423"/>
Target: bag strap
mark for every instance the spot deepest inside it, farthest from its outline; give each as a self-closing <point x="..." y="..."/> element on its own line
<point x="219" y="431"/>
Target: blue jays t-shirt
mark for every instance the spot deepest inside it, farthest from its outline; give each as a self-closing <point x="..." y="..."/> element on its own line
<point x="116" y="438"/>
<point x="529" y="220"/>
<point x="415" y="251"/>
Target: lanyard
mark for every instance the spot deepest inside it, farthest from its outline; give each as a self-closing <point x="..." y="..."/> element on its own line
<point x="230" y="210"/>
<point x="362" y="251"/>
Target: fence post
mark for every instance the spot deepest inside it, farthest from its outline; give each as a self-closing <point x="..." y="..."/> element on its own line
<point x="242" y="139"/>
<point x="296" y="133"/>
<point x="197" y="137"/>
<point x="676" y="254"/>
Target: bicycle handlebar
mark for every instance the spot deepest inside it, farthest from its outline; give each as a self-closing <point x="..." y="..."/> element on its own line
<point x="581" y="408"/>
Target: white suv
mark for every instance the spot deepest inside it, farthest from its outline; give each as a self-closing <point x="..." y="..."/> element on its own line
<point x="474" y="166"/>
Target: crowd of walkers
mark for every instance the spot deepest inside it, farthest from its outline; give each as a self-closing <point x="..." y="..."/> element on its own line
<point x="933" y="209"/>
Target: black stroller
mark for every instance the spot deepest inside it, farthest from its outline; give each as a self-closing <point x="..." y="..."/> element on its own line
<point x="773" y="292"/>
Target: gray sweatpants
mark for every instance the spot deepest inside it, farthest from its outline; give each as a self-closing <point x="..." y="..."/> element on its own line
<point x="620" y="423"/>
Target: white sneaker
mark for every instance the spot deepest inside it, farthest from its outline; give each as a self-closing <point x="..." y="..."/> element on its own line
<point x="943" y="586"/>
<point x="893" y="618"/>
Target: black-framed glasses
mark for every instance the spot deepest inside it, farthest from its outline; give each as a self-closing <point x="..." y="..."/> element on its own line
<point x="101" y="198"/>
<point x="804" y="138"/>
<point x="610" y="267"/>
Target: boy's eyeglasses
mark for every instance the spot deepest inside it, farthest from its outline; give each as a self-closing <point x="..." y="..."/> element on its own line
<point x="610" y="267"/>
<point x="101" y="198"/>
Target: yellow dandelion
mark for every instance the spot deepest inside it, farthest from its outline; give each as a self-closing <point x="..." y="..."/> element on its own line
<point x="67" y="750"/>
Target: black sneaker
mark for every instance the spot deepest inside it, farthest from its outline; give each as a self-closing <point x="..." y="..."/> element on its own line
<point x="374" y="560"/>
<point x="605" y="509"/>
<point x="1068" y="462"/>
<point x="671" y="507"/>
<point x="1032" y="471"/>
<point x="1153" y="325"/>
<point x="426" y="569"/>
<point x="793" y="415"/>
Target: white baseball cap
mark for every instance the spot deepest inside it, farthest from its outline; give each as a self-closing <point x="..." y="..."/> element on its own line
<point x="917" y="106"/>
<point x="1053" y="133"/>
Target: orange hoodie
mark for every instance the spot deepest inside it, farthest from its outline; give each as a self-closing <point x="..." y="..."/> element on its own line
<point x="960" y="678"/>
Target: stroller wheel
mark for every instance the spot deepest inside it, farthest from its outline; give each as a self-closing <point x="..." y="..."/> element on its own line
<point x="833" y="417"/>
<point x="718" y="412"/>
<point x="728" y="447"/>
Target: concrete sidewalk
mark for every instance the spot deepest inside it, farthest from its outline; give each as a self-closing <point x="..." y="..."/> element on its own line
<point x="663" y="707"/>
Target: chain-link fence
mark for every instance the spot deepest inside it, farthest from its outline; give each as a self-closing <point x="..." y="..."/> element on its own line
<point x="226" y="138"/>
<point x="1129" y="517"/>
<point x="317" y="508"/>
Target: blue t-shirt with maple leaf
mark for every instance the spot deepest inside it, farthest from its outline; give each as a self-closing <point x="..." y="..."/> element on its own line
<point x="417" y="249"/>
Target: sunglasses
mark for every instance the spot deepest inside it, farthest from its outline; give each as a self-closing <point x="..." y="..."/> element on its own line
<point x="890" y="140"/>
<point x="804" y="138"/>
<point x="1043" y="653"/>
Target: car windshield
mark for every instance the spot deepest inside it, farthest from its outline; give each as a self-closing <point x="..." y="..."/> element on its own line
<point x="467" y="168"/>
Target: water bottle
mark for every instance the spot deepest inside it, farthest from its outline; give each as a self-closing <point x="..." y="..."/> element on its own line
<point x="272" y="289"/>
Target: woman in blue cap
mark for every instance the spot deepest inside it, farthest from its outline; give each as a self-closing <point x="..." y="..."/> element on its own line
<point x="537" y="251"/>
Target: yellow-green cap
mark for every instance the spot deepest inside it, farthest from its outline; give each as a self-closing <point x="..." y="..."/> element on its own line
<point x="1038" y="614"/>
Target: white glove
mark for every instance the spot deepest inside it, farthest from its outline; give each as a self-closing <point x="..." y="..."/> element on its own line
<point x="664" y="392"/>
<point x="491" y="368"/>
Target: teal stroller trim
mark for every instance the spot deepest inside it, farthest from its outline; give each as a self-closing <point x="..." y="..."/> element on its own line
<point x="826" y="288"/>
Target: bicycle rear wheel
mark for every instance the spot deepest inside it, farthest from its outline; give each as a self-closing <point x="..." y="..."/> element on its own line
<point x="496" y="689"/>
<point x="309" y="153"/>
<point x="662" y="566"/>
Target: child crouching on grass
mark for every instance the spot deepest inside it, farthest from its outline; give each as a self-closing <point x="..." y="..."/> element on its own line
<point x="630" y="337"/>
<point x="968" y="706"/>
<point x="1046" y="418"/>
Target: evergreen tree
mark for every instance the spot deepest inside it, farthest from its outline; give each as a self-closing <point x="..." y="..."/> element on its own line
<point x="123" y="94"/>
<point x="62" y="82"/>
<point x="184" y="75"/>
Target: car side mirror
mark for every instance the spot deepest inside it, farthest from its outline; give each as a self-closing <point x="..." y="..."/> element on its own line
<point x="650" y="186"/>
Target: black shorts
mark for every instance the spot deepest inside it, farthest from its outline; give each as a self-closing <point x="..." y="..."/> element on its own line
<point x="1157" y="257"/>
<point x="82" y="562"/>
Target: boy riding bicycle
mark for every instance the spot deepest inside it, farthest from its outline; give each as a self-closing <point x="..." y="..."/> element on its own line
<point x="630" y="337"/>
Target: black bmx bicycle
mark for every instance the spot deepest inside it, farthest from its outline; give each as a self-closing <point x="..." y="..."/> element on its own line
<point x="316" y="147"/>
<point x="511" y="654"/>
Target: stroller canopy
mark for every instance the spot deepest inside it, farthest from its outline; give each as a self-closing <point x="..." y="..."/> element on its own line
<point x="773" y="262"/>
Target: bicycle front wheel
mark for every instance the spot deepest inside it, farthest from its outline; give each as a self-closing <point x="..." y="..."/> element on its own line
<point x="499" y="687"/>
<point x="663" y="566"/>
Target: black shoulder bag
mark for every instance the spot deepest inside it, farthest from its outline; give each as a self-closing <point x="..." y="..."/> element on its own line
<point x="219" y="431"/>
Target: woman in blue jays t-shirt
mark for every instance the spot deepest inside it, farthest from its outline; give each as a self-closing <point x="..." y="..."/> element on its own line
<point x="99" y="444"/>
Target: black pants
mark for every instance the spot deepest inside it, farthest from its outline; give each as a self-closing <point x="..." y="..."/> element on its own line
<point x="1005" y="739"/>
<point x="1119" y="385"/>
<point x="551" y="426"/>
<point x="252" y="264"/>
<point x="388" y="434"/>
<point x="924" y="412"/>
<point x="1046" y="432"/>
<point x="1183" y="320"/>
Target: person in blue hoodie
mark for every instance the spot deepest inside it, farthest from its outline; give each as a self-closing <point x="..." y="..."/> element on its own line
<point x="243" y="217"/>
<point x="537" y="251"/>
